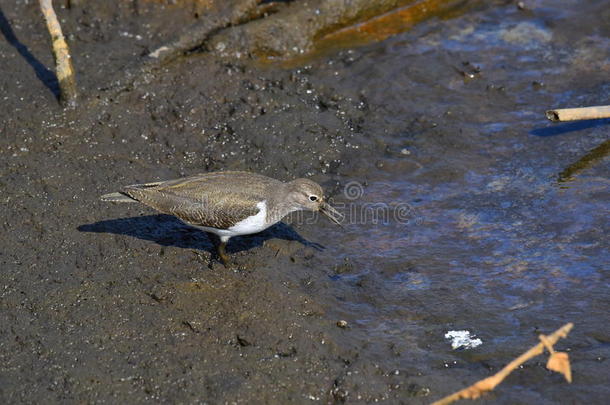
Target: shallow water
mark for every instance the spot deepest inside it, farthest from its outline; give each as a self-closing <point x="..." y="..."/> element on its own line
<point x="494" y="241"/>
<point x="466" y="210"/>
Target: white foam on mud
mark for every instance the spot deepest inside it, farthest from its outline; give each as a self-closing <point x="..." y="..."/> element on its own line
<point x="461" y="339"/>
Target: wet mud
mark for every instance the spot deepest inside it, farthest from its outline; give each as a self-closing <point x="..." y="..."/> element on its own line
<point x="466" y="210"/>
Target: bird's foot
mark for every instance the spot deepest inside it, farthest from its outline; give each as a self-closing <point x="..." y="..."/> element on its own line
<point x="222" y="255"/>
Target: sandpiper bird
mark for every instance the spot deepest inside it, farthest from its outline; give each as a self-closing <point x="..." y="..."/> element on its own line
<point x="228" y="203"/>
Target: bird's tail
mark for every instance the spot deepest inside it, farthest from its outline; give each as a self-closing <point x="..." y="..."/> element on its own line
<point x="128" y="194"/>
<point x="117" y="197"/>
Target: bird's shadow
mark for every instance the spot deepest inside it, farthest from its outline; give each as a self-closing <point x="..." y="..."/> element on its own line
<point x="167" y="230"/>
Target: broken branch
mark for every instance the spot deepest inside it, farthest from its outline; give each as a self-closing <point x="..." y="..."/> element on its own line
<point x="557" y="362"/>
<point x="231" y="13"/>
<point x="61" y="54"/>
<point x="575" y="114"/>
<point x="223" y="14"/>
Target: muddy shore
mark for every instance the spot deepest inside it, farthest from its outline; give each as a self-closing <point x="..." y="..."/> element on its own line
<point x="114" y="304"/>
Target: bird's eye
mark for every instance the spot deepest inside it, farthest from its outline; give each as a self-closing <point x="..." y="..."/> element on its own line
<point x="313" y="198"/>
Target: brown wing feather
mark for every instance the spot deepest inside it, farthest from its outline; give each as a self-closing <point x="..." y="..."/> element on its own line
<point x="216" y="200"/>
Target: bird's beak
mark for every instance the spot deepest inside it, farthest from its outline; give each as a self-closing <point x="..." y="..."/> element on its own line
<point x="332" y="214"/>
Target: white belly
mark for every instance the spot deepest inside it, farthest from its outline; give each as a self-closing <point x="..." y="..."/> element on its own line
<point x="252" y="224"/>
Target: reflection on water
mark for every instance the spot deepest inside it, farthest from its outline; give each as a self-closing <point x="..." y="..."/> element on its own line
<point x="588" y="160"/>
<point x="393" y="22"/>
<point x="381" y="27"/>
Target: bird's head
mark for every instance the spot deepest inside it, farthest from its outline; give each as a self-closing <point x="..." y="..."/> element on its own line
<point x="308" y="195"/>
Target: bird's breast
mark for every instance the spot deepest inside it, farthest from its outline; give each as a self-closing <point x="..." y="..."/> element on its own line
<point x="254" y="223"/>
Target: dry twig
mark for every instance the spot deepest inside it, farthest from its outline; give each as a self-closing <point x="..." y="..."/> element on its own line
<point x="558" y="361"/>
<point x="61" y="53"/>
<point x="575" y="114"/>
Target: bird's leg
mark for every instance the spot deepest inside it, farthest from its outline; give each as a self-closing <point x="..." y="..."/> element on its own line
<point x="222" y="253"/>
